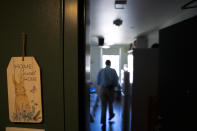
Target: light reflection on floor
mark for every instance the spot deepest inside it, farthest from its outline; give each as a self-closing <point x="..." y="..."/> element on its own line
<point x="116" y="123"/>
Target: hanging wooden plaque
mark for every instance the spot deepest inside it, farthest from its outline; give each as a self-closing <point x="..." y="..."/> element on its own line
<point x="22" y="129"/>
<point x="24" y="90"/>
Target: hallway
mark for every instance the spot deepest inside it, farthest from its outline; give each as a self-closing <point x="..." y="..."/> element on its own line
<point x="121" y="121"/>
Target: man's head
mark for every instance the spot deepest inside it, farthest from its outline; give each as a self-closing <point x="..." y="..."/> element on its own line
<point x="155" y="45"/>
<point x="108" y="63"/>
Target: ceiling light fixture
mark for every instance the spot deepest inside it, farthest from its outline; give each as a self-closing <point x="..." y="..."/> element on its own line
<point x="105" y="47"/>
<point x="120" y="4"/>
<point x="117" y="22"/>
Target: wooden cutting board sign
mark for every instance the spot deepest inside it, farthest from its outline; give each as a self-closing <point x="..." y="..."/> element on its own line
<point x="22" y="129"/>
<point x="24" y="90"/>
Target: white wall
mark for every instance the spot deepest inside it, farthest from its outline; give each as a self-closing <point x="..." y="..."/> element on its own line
<point x="152" y="37"/>
<point x="142" y="42"/>
<point x="123" y="54"/>
<point x="95" y="62"/>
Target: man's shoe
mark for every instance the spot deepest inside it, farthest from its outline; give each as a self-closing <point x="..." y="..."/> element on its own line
<point x="91" y="118"/>
<point x="103" y="127"/>
<point x="112" y="116"/>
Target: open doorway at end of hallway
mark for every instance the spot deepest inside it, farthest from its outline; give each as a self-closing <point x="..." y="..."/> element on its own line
<point x="122" y="101"/>
<point x="115" y="62"/>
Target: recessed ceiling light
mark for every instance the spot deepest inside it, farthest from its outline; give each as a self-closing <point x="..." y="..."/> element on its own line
<point x="120" y="4"/>
<point x="105" y="46"/>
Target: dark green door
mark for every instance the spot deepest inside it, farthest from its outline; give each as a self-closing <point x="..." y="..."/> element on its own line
<point x="177" y="81"/>
<point x="41" y="20"/>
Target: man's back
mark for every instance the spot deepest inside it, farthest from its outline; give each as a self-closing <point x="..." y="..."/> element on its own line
<point x="107" y="77"/>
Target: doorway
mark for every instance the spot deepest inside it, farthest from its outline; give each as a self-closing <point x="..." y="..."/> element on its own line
<point x="119" y="56"/>
<point x="115" y="62"/>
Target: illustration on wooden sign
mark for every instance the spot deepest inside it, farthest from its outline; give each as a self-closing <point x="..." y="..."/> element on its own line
<point x="24" y="90"/>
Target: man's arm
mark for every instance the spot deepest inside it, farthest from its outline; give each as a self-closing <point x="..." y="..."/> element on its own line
<point x="115" y="78"/>
<point x="98" y="78"/>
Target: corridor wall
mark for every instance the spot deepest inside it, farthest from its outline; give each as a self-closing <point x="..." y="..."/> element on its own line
<point x="145" y="84"/>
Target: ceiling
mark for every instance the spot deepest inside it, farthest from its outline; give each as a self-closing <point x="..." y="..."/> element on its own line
<point x="139" y="17"/>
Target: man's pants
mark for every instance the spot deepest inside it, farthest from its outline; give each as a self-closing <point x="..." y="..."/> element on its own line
<point x="106" y="95"/>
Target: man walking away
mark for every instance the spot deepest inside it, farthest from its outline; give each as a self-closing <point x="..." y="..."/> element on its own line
<point x="107" y="80"/>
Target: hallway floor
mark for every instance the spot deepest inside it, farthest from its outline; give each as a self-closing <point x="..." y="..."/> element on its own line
<point x="122" y="119"/>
